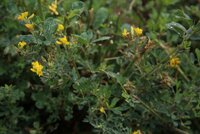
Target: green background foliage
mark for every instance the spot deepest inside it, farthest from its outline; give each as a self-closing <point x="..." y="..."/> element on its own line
<point x="130" y="78"/>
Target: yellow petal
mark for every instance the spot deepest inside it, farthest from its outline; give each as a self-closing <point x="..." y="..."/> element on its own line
<point x="53" y="8"/>
<point x="60" y="27"/>
<point x="37" y="68"/>
<point x="30" y="27"/>
<point x="58" y="42"/>
<point x="102" y="110"/>
<point x="22" y="16"/>
<point x="138" y="31"/>
<point x="21" y="44"/>
<point x="125" y="33"/>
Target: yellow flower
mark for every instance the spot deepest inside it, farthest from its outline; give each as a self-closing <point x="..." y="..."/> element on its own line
<point x="137" y="132"/>
<point x="60" y="28"/>
<point x="29" y="26"/>
<point x="125" y="33"/>
<point x="102" y="110"/>
<point x="37" y="68"/>
<point x="174" y="62"/>
<point x="62" y="41"/>
<point x="21" y="44"/>
<point x="53" y="7"/>
<point x="22" y="16"/>
<point x="138" y="31"/>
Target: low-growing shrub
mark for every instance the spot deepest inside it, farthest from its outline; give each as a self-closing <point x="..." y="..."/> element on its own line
<point x="107" y="66"/>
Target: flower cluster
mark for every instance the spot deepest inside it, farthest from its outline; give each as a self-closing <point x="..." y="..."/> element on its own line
<point x="37" y="68"/>
<point x="29" y="25"/>
<point x="138" y="31"/>
<point x="134" y="31"/>
<point x="24" y="17"/>
<point x="62" y="41"/>
<point x="60" y="28"/>
<point x="22" y="44"/>
<point x="53" y="7"/>
<point x="174" y="62"/>
<point x="125" y="33"/>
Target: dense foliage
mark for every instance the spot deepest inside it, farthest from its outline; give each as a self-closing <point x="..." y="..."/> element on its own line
<point x="99" y="66"/>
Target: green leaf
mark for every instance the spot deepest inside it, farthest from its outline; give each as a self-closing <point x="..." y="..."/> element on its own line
<point x="76" y="10"/>
<point x="180" y="15"/>
<point x="169" y="2"/>
<point x="177" y="27"/>
<point x="100" y="17"/>
<point x="80" y="39"/>
<point x="74" y="13"/>
<point x="41" y="99"/>
<point x="78" y="5"/>
<point x="197" y="51"/>
<point x="117" y="110"/>
<point x="85" y="85"/>
<point x="50" y="26"/>
<point x="114" y="102"/>
<point x="101" y="39"/>
<point x="85" y="37"/>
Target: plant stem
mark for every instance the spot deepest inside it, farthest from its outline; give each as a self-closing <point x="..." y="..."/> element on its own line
<point x="183" y="74"/>
<point x="131" y="5"/>
<point x="40" y="9"/>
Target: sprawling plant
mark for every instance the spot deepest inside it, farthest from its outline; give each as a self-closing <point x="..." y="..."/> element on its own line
<point x="96" y="66"/>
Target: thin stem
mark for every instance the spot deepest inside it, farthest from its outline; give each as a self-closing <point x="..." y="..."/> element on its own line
<point x="131" y="5"/>
<point x="40" y="9"/>
<point x="183" y="74"/>
<point x="112" y="58"/>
